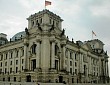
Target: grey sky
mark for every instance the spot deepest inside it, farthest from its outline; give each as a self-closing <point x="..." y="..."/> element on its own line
<point x="80" y="17"/>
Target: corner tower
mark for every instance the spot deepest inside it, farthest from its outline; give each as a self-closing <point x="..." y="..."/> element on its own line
<point x="45" y="18"/>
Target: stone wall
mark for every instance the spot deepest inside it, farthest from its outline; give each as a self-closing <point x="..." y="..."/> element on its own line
<point x="34" y="83"/>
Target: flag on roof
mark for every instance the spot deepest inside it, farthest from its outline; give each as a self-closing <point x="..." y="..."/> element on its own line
<point x="47" y="3"/>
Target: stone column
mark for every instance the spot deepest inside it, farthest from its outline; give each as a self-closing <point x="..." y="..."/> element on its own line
<point x="68" y="68"/>
<point x="38" y="54"/>
<point x="25" y="56"/>
<point x="64" y="56"/>
<point x="80" y="63"/>
<point x="3" y="63"/>
<point x="13" y="61"/>
<point x="53" y="55"/>
<point x="45" y="53"/>
<point x="107" y="69"/>
<point x="8" y="56"/>
<point x="19" y="60"/>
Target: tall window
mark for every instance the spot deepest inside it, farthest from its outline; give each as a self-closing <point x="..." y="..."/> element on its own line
<point x="75" y="56"/>
<point x="75" y="71"/>
<point x="56" y="64"/>
<point x="70" y="63"/>
<point x="16" y="69"/>
<point x="56" y="50"/>
<point x="17" y="53"/>
<point x="75" y="64"/>
<point x="70" y="55"/>
<point x="6" y="56"/>
<point x="85" y="69"/>
<point x="10" y="62"/>
<point x="34" y="48"/>
<point x="16" y="62"/>
<point x="11" y="55"/>
<point x="5" y="70"/>
<point x="10" y="70"/>
<point x="71" y="70"/>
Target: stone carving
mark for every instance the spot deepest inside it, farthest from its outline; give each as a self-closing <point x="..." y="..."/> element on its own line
<point x="26" y="30"/>
<point x="63" y="32"/>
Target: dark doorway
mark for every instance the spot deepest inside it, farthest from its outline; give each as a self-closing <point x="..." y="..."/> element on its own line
<point x="60" y="79"/>
<point x="33" y="64"/>
<point x="14" y="78"/>
<point x="8" y="78"/>
<point x="28" y="78"/>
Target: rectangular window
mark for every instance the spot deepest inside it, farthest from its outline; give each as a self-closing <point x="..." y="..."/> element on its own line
<point x="16" y="62"/>
<point x="16" y="69"/>
<point x="11" y="55"/>
<point x="75" y="64"/>
<point x="10" y="62"/>
<point x="5" y="70"/>
<point x="6" y="56"/>
<point x="22" y="68"/>
<point x="17" y="53"/>
<point x="71" y="70"/>
<point x="75" y="56"/>
<point x="75" y="71"/>
<point x="70" y="55"/>
<point x="56" y="64"/>
<point x="10" y="70"/>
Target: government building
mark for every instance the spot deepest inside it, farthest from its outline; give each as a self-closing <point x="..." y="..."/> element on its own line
<point x="43" y="53"/>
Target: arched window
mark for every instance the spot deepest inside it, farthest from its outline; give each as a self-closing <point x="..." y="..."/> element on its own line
<point x="33" y="48"/>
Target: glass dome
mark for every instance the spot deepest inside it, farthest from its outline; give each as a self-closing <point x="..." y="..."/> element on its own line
<point x="18" y="36"/>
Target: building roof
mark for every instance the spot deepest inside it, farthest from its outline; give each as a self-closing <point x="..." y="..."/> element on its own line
<point x="19" y="35"/>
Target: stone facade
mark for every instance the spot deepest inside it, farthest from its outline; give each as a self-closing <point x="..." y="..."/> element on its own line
<point x="43" y="53"/>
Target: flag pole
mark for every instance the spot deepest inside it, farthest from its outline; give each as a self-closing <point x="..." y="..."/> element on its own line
<point x="92" y="35"/>
<point x="45" y="5"/>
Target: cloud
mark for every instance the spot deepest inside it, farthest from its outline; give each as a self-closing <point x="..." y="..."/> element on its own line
<point x="102" y="10"/>
<point x="11" y="25"/>
<point x="25" y="3"/>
